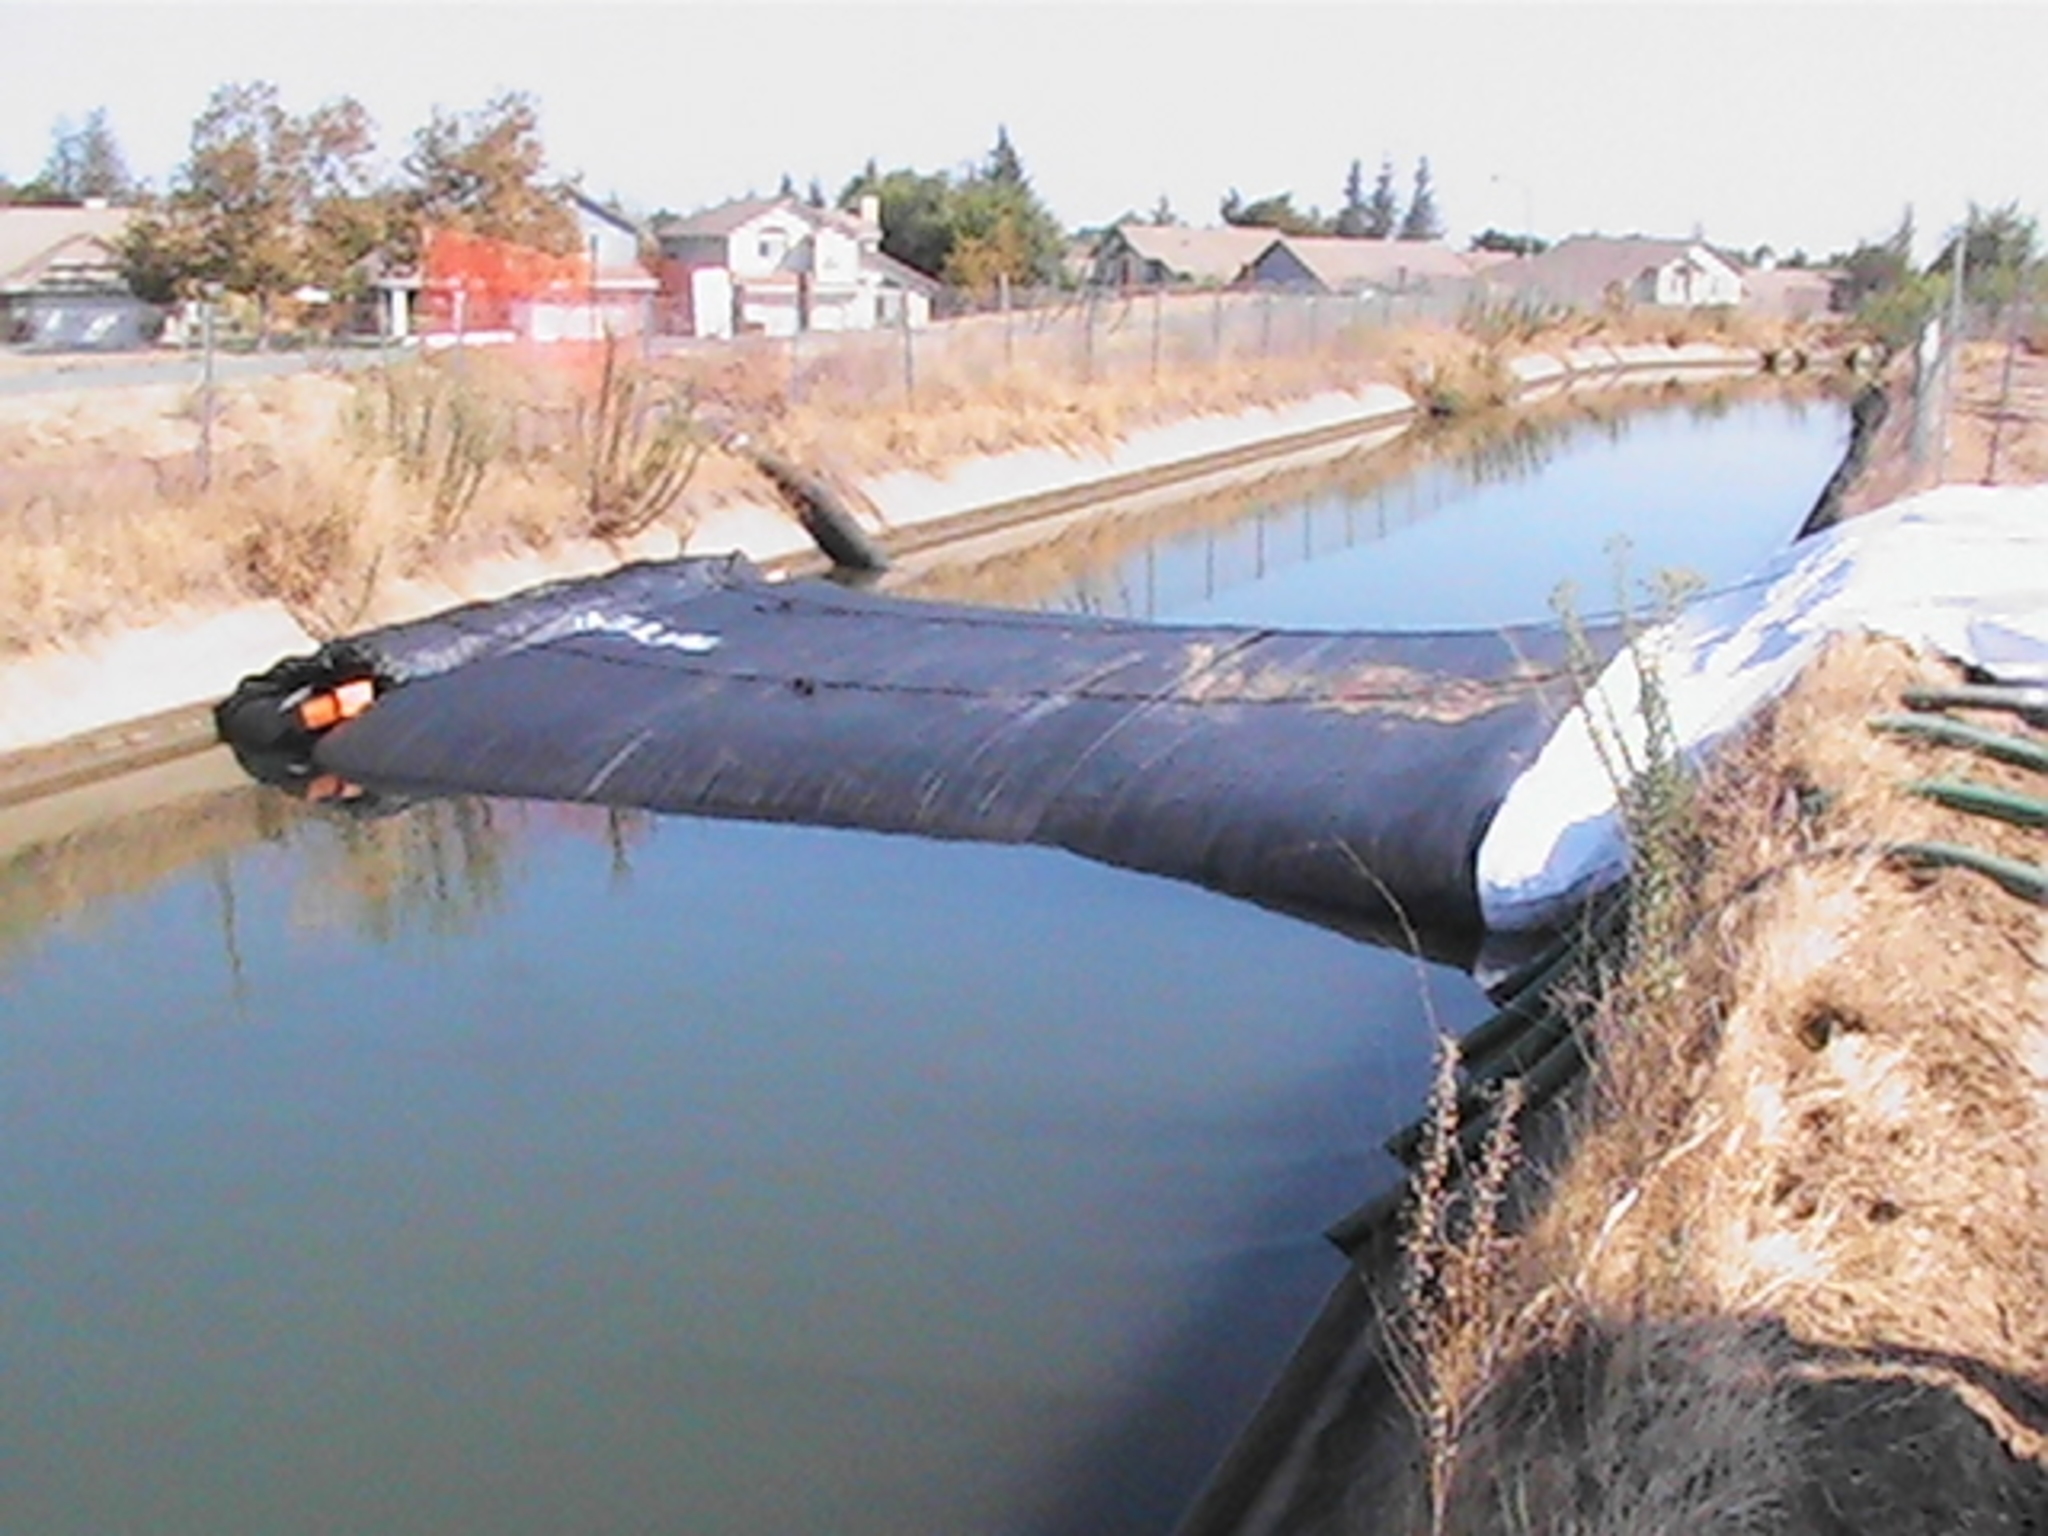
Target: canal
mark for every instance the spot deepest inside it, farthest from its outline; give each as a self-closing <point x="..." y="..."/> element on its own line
<point x="517" y="1168"/>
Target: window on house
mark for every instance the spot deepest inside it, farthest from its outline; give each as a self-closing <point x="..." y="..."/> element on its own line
<point x="771" y="246"/>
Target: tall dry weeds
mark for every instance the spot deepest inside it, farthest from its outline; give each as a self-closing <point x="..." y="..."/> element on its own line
<point x="1794" y="1243"/>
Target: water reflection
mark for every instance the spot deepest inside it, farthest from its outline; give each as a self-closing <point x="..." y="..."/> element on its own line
<point x="391" y="874"/>
<point x="566" y="1170"/>
<point x="1136" y="565"/>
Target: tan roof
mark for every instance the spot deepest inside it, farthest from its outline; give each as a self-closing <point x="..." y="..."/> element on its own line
<point x="1214" y="255"/>
<point x="727" y="217"/>
<point x="1340" y="264"/>
<point x="1583" y="266"/>
<point x="33" y="238"/>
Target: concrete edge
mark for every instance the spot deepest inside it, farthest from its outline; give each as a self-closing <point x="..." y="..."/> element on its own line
<point x="122" y="740"/>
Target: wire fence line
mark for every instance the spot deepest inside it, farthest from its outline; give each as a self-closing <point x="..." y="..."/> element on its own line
<point x="1084" y="337"/>
<point x="2015" y="324"/>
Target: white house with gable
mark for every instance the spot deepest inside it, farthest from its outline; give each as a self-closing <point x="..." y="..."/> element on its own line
<point x="1589" y="271"/>
<point x="779" y="266"/>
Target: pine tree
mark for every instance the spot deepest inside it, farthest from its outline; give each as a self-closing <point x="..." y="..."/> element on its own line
<point x="1004" y="167"/>
<point x="1383" y="208"/>
<point x="1422" y="221"/>
<point x="1355" y="218"/>
<point x="787" y="187"/>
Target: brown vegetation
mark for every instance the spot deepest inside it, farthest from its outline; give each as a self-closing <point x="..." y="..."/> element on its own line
<point x="315" y="490"/>
<point x="1786" y="1274"/>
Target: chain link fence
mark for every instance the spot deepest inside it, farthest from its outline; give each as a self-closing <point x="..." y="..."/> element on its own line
<point x="1079" y="337"/>
<point x="2013" y="325"/>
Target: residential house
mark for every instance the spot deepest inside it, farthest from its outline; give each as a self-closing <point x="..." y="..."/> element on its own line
<point x="779" y="266"/>
<point x="61" y="280"/>
<point x="1167" y="255"/>
<point x="1331" y="264"/>
<point x="478" y="289"/>
<point x="1596" y="271"/>
<point x="1794" y="293"/>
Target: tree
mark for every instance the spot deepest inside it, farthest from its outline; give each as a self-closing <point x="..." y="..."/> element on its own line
<point x="348" y="216"/>
<point x="1354" y="219"/>
<point x="1004" y="167"/>
<point x="1877" y="266"/>
<point x="814" y="194"/>
<point x="1998" y="249"/>
<point x="786" y="188"/>
<point x="265" y="203"/>
<point x="85" y="161"/>
<point x="1001" y="230"/>
<point x="242" y="192"/>
<point x="481" y="172"/>
<point x="1491" y="239"/>
<point x="1383" y="208"/>
<point x="1274" y="212"/>
<point x="1162" y="215"/>
<point x="1422" y="221"/>
<point x="975" y="232"/>
<point x="917" y="227"/>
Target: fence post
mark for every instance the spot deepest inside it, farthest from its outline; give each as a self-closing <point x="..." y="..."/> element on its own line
<point x="1951" y="354"/>
<point x="1088" y="336"/>
<point x="1009" y="341"/>
<point x="909" y="358"/>
<point x="206" y="393"/>
<point x="2012" y="341"/>
<point x="1925" y="351"/>
<point x="793" y="391"/>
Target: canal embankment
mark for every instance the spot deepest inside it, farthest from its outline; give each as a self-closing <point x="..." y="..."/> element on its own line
<point x="1770" y="1265"/>
<point x="121" y="695"/>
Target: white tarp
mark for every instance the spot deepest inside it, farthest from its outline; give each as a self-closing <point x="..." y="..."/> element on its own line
<point x="1962" y="570"/>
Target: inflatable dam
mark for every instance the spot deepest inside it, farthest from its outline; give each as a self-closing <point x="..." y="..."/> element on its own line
<point x="1344" y="777"/>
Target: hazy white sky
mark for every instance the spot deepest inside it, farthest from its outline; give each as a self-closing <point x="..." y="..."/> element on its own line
<point x="1801" y="125"/>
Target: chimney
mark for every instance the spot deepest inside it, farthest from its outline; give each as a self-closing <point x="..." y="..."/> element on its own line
<point x="870" y="213"/>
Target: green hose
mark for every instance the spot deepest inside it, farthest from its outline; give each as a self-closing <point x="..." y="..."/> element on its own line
<point x="2016" y="750"/>
<point x="2027" y="881"/>
<point x="1983" y="800"/>
<point x="1977" y="696"/>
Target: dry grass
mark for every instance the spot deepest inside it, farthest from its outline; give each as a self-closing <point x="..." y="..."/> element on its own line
<point x="1798" y="1244"/>
<point x="323" y="487"/>
<point x="320" y="488"/>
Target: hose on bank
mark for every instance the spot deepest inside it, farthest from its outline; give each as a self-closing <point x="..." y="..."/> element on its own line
<point x="2027" y="881"/>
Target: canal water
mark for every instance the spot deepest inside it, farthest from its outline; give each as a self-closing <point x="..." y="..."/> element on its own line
<point x="512" y="1168"/>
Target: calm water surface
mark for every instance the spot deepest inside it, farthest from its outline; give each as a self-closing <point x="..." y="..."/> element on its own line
<point x="501" y="1168"/>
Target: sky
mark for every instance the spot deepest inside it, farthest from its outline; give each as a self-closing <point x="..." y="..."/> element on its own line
<point x="1805" y="126"/>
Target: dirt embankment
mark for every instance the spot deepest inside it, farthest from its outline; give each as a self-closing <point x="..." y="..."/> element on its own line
<point x="1779" y="1264"/>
